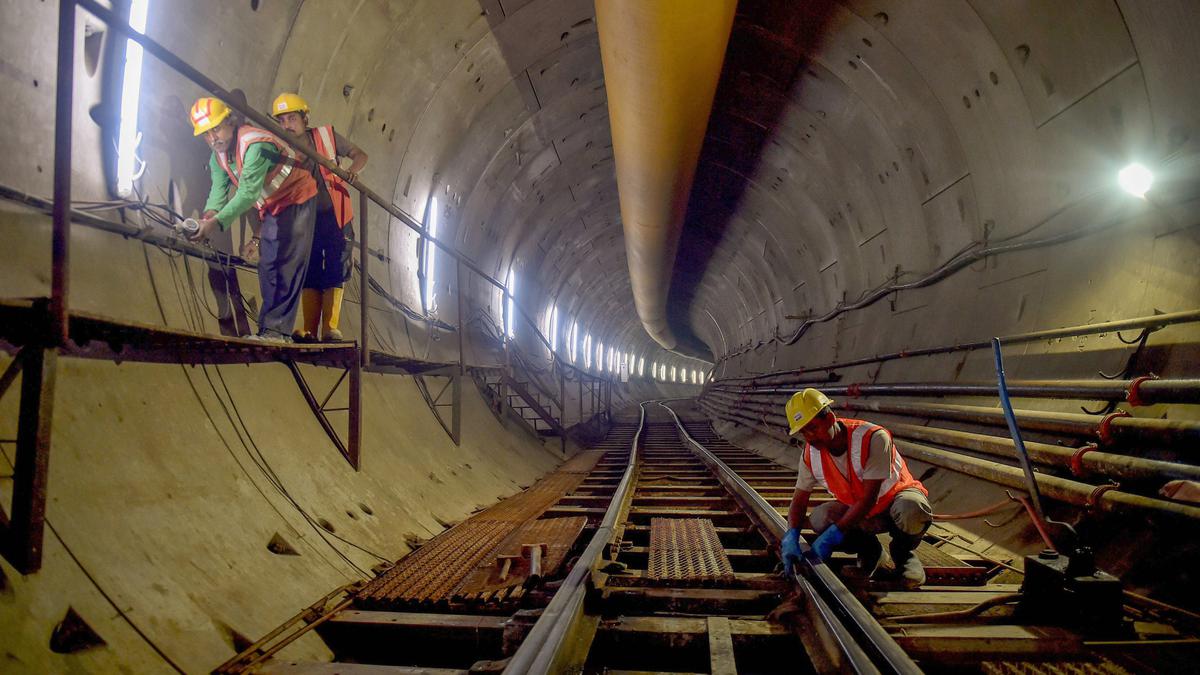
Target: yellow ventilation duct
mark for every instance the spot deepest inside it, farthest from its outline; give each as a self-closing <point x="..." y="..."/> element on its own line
<point x="662" y="60"/>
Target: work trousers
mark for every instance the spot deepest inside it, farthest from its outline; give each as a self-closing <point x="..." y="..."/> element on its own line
<point x="285" y="243"/>
<point x="223" y="280"/>
<point x="909" y="516"/>
<point x="330" y="263"/>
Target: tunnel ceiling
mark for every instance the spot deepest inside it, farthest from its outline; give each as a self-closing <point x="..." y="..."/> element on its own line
<point x="850" y="143"/>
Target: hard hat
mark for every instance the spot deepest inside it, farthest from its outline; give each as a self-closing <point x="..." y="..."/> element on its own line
<point x="207" y="113"/>
<point x="803" y="406"/>
<point x="286" y="103"/>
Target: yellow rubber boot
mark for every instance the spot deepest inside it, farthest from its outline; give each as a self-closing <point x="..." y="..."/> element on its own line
<point x="331" y="313"/>
<point x="310" y="307"/>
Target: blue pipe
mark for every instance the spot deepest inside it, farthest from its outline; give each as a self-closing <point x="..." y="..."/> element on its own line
<point x="1015" y="431"/>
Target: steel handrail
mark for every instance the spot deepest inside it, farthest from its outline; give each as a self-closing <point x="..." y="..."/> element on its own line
<point x="876" y="651"/>
<point x="187" y="70"/>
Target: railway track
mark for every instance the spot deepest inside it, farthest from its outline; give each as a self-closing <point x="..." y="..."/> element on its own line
<point x="674" y="568"/>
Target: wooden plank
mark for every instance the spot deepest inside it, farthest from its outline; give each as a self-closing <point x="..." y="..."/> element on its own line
<point x="931" y="598"/>
<point x="419" y="620"/>
<point x="300" y="668"/>
<point x="677" y="625"/>
<point x="720" y="646"/>
<point x="969" y="644"/>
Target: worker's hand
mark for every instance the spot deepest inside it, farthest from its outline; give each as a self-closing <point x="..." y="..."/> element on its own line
<point x="789" y="550"/>
<point x="829" y="539"/>
<point x="207" y="227"/>
<point x="353" y="176"/>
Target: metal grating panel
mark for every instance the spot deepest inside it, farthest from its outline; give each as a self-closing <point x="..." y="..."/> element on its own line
<point x="432" y="573"/>
<point x="943" y="569"/>
<point x="1100" y="667"/>
<point x="559" y="534"/>
<point x="687" y="549"/>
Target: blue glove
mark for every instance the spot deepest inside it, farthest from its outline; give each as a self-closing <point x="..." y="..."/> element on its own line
<point x="789" y="550"/>
<point x="828" y="540"/>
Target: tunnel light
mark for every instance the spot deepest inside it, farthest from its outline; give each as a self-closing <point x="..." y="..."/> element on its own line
<point x="573" y="341"/>
<point x="552" y="327"/>
<point x="672" y="373"/>
<point x="600" y="357"/>
<point x="641" y="366"/>
<point x="510" y="286"/>
<point x="131" y="92"/>
<point x="587" y="350"/>
<point x="1135" y="179"/>
<point x="430" y="253"/>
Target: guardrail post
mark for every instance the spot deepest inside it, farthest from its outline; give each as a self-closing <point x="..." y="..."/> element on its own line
<point x="364" y="287"/>
<point x="60" y="247"/>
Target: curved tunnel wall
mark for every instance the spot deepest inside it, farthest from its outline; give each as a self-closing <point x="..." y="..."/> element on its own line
<point x="877" y="150"/>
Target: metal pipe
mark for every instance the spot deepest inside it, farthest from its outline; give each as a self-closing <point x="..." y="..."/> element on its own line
<point x="662" y="61"/>
<point x="1092" y="462"/>
<point x="1059" y="489"/>
<point x="1120" y="431"/>
<point x="1031" y="485"/>
<point x="60" y="244"/>
<point x="1140" y="390"/>
<point x="1152" y="323"/>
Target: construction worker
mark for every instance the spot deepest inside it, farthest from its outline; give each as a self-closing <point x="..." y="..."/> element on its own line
<point x="857" y="463"/>
<point x="261" y="170"/>
<point x="330" y="265"/>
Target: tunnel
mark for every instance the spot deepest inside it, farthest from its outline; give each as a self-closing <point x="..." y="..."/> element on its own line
<point x="592" y="249"/>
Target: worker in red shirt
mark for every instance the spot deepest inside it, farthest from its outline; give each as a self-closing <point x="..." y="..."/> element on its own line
<point x="251" y="167"/>
<point x="857" y="463"/>
<point x="330" y="264"/>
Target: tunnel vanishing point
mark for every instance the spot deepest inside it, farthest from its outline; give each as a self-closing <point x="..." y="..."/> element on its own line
<point x="475" y="336"/>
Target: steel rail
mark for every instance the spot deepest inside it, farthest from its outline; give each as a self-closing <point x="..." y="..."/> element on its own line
<point x="867" y="648"/>
<point x="548" y="637"/>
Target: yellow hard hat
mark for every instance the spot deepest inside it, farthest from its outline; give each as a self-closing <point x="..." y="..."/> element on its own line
<point x="207" y="113"/>
<point x="803" y="406"/>
<point x="286" y="103"/>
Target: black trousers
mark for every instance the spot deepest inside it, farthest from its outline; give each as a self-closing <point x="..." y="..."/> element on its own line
<point x="223" y="280"/>
<point x="285" y="242"/>
<point x="330" y="263"/>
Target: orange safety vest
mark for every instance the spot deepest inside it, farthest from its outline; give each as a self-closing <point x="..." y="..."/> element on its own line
<point x="339" y="193"/>
<point x="848" y="489"/>
<point x="282" y="186"/>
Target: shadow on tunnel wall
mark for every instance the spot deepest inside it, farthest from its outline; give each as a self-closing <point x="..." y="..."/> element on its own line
<point x="767" y="55"/>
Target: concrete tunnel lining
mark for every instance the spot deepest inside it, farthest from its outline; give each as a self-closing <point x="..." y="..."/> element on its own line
<point x="886" y="152"/>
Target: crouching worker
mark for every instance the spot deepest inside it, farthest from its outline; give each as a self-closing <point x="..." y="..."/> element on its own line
<point x="857" y="463"/>
<point x="330" y="265"/>
<point x="260" y="170"/>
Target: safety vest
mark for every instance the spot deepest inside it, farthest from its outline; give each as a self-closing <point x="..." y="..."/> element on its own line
<point x="283" y="186"/>
<point x="339" y="193"/>
<point x="848" y="489"/>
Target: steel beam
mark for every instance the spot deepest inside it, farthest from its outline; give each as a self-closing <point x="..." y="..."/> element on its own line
<point x="24" y="532"/>
<point x="60" y="246"/>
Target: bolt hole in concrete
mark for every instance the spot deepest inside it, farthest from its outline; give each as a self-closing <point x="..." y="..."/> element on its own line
<point x="994" y="77"/>
<point x="254" y="5"/>
<point x="353" y="515"/>
<point x="326" y="524"/>
<point x="73" y="634"/>
<point x="366" y="509"/>
<point x="93" y="42"/>
<point x="280" y="546"/>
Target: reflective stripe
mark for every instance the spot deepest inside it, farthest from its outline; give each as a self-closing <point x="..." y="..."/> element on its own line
<point x="857" y="441"/>
<point x="325" y="144"/>
<point x="815" y="465"/>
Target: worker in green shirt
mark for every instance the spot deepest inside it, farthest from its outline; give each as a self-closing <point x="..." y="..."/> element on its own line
<point x="258" y="168"/>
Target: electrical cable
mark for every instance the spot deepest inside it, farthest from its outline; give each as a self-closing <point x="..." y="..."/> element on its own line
<point x="103" y="593"/>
